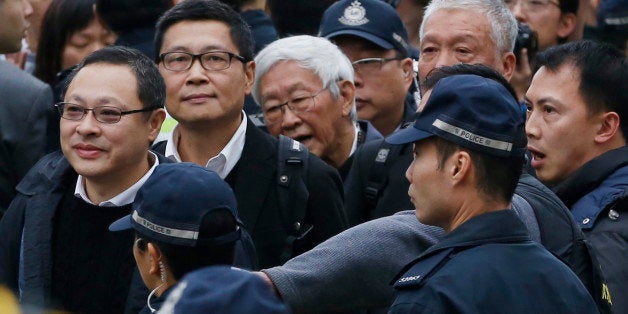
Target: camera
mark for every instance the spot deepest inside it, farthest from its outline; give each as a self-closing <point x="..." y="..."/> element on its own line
<point x="526" y="38"/>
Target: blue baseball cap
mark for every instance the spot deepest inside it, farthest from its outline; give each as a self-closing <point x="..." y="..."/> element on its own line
<point x="471" y="111"/>
<point x="373" y="20"/>
<point x="172" y="203"/>
<point x="222" y="289"/>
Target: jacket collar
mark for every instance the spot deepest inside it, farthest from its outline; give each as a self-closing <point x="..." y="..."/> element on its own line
<point x="502" y="226"/>
<point x="591" y="175"/>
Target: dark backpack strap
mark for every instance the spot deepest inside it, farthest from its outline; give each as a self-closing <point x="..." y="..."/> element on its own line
<point x="292" y="191"/>
<point x="377" y="178"/>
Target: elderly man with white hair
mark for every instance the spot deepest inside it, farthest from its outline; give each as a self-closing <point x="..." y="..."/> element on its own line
<point x="305" y="88"/>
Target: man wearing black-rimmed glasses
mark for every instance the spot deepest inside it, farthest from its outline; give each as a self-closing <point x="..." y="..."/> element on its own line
<point x="206" y="58"/>
<point x="56" y="251"/>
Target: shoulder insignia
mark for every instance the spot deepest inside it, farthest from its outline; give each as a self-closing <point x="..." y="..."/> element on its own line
<point x="382" y="155"/>
<point x="421" y="268"/>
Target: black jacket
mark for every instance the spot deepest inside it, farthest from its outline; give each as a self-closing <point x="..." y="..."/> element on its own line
<point x="254" y="182"/>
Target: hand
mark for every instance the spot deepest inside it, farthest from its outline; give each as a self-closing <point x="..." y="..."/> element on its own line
<point x="520" y="80"/>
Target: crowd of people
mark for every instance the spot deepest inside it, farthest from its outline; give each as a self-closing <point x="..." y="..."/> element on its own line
<point x="350" y="156"/>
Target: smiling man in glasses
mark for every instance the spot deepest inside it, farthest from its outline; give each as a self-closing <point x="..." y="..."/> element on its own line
<point x="304" y="85"/>
<point x="206" y="59"/>
<point x="55" y="248"/>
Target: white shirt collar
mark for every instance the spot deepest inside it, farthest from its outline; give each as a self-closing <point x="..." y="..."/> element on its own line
<point x="126" y="197"/>
<point x="222" y="163"/>
<point x="356" y="127"/>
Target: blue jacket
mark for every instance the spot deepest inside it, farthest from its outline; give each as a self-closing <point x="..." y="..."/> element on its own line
<point x="597" y="195"/>
<point x="489" y="265"/>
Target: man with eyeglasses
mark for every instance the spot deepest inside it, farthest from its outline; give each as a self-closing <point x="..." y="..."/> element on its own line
<point x="205" y="56"/>
<point x="372" y="35"/>
<point x="553" y="20"/>
<point x="305" y="98"/>
<point x="452" y="31"/>
<point x="56" y="251"/>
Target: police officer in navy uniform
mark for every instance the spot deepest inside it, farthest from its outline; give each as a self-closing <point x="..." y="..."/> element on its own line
<point x="469" y="144"/>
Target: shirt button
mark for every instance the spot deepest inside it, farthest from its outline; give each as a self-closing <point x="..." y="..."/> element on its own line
<point x="586" y="221"/>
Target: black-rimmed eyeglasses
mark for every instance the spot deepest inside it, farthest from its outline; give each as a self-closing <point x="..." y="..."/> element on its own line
<point x="211" y="61"/>
<point x="104" y="114"/>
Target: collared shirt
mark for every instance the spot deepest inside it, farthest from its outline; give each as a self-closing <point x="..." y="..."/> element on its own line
<point x="356" y="128"/>
<point x="126" y="197"/>
<point x="222" y="163"/>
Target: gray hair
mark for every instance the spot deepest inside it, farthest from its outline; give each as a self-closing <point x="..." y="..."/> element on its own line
<point x="503" y="23"/>
<point x="313" y="53"/>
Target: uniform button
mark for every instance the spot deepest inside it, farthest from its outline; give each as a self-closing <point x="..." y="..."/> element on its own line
<point x="283" y="178"/>
<point x="586" y="221"/>
<point x="613" y="214"/>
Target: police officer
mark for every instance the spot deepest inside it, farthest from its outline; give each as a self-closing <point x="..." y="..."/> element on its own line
<point x="469" y="144"/>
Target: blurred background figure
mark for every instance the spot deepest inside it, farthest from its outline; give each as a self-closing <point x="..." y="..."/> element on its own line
<point x="262" y="28"/>
<point x="554" y="21"/>
<point x="411" y="13"/>
<point x="297" y="17"/>
<point x="71" y="33"/>
<point x="23" y="104"/>
<point x="133" y="21"/>
<point x="612" y="22"/>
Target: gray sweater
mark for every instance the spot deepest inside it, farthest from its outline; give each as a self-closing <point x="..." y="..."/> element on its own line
<point x="344" y="278"/>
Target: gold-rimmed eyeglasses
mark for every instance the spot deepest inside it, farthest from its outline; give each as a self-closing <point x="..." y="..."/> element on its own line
<point x="298" y="105"/>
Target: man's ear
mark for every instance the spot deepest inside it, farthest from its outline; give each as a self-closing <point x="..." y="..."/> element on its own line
<point x="249" y="76"/>
<point x="566" y="25"/>
<point x="608" y="128"/>
<point x="509" y="63"/>
<point x="157" y="117"/>
<point x="406" y="67"/>
<point x="459" y="165"/>
<point x="346" y="96"/>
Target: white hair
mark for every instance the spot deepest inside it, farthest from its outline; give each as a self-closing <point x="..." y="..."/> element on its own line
<point x="503" y="23"/>
<point x="313" y="53"/>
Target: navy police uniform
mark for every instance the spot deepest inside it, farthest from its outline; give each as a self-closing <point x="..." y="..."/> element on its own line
<point x="489" y="265"/>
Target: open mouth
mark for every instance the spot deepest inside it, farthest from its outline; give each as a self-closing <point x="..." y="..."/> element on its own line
<point x="537" y="158"/>
<point x="536" y="154"/>
<point x="303" y="138"/>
